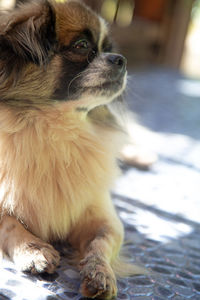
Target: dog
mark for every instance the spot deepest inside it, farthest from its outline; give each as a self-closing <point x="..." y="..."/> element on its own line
<point x="59" y="141"/>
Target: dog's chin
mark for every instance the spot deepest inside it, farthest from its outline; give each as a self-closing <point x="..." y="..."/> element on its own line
<point x="101" y="94"/>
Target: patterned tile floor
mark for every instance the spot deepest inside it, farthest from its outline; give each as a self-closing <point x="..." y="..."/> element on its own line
<point x="160" y="208"/>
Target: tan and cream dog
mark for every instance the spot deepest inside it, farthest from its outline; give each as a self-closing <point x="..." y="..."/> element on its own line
<point x="58" y="140"/>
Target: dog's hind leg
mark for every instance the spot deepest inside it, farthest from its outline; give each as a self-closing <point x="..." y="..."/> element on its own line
<point x="28" y="252"/>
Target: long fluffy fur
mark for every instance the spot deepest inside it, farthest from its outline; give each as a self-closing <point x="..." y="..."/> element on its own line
<point x="59" y="141"/>
<point x="60" y="163"/>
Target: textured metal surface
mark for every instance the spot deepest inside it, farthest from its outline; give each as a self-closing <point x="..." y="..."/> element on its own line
<point x="160" y="210"/>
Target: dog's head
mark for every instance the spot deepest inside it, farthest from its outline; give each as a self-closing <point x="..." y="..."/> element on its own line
<point x="58" y="51"/>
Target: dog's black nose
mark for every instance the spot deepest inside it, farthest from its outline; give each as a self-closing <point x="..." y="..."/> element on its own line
<point x="117" y="60"/>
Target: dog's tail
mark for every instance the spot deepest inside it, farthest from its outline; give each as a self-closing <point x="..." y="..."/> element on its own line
<point x="123" y="268"/>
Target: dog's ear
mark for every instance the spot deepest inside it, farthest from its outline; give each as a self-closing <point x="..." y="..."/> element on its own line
<point x="29" y="31"/>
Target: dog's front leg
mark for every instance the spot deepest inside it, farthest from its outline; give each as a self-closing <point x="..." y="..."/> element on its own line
<point x="98" y="278"/>
<point x="27" y="251"/>
<point x="100" y="239"/>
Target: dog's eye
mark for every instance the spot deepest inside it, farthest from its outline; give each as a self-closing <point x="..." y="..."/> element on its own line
<point x="81" y="44"/>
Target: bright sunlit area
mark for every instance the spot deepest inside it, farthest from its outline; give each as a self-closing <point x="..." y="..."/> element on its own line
<point x="6" y="4"/>
<point x="121" y="12"/>
<point x="191" y="56"/>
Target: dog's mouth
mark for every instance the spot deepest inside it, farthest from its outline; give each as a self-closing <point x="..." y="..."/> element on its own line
<point x="107" y="87"/>
<point x="100" y="92"/>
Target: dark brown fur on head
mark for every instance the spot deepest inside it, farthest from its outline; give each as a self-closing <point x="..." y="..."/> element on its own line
<point x="26" y="35"/>
<point x="57" y="51"/>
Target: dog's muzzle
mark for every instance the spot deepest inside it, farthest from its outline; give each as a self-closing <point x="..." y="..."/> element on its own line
<point x="117" y="63"/>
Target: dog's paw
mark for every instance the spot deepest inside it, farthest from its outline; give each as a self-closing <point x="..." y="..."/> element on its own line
<point x="36" y="257"/>
<point x="98" y="279"/>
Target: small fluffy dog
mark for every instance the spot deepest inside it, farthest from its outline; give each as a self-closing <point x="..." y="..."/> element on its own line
<point x="58" y="140"/>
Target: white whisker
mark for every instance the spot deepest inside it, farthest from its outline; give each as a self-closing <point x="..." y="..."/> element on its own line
<point x="76" y="77"/>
